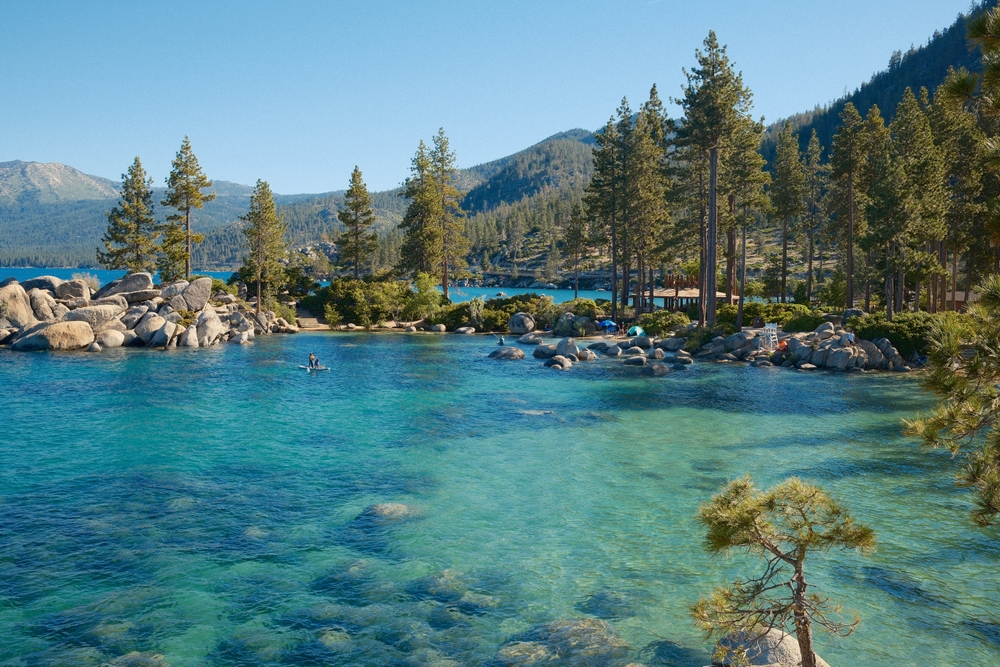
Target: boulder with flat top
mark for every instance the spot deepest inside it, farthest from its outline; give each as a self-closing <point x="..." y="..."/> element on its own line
<point x="56" y="336"/>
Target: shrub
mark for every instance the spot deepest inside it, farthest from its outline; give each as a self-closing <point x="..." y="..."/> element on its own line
<point x="661" y="322"/>
<point x="285" y="311"/>
<point x="221" y="286"/>
<point x="426" y="300"/>
<point x="781" y="313"/>
<point x="803" y="323"/>
<point x="362" y="302"/>
<point x="92" y="281"/>
<point x="581" y="308"/>
<point x="908" y="332"/>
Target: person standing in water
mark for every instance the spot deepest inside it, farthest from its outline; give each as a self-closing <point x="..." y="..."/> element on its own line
<point x="313" y="361"/>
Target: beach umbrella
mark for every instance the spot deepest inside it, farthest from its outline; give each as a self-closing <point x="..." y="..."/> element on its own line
<point x="607" y="324"/>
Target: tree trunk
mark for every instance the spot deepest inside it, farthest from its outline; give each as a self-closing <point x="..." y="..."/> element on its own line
<point x="652" y="289"/>
<point x="954" y="277"/>
<point x="730" y="264"/>
<point x="889" y="291"/>
<point x="258" y="294"/>
<point x="822" y="273"/>
<point x="187" y="228"/>
<point x="809" y="269"/>
<point x="703" y="268"/>
<point x="614" y="268"/>
<point x="713" y="235"/>
<point x="868" y="281"/>
<point x="968" y="273"/>
<point x="576" y="278"/>
<point x="803" y="628"/>
<point x="784" y="260"/>
<point x="743" y="279"/>
<point x="900" y="281"/>
<point x="850" y="240"/>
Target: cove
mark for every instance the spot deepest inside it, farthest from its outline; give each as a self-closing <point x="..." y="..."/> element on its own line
<point x="204" y="505"/>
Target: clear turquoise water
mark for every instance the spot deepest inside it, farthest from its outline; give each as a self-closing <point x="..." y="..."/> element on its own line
<point x="201" y="504"/>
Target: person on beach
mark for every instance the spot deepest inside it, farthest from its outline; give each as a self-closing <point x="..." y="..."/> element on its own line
<point x="313" y="361"/>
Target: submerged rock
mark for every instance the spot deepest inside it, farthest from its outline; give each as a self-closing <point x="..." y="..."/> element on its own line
<point x="389" y="512"/>
<point x="507" y="352"/>
<point x="585" y="642"/>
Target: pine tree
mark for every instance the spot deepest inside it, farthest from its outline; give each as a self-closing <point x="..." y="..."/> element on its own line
<point x="602" y="196"/>
<point x="846" y="162"/>
<point x="357" y="243"/>
<point x="782" y="526"/>
<point x="714" y="98"/>
<point x="817" y="182"/>
<point x="788" y="192"/>
<point x="130" y="241"/>
<point x="450" y="220"/>
<point x="184" y="193"/>
<point x="266" y="246"/>
<point x="172" y="253"/>
<point x="575" y="244"/>
<point x="421" y="248"/>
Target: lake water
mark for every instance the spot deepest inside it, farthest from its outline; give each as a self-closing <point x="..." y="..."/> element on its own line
<point x="202" y="504"/>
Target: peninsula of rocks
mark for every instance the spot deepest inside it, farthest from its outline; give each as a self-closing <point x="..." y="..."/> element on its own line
<point x="47" y="313"/>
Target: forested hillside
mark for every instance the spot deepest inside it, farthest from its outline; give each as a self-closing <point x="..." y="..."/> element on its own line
<point x="919" y="67"/>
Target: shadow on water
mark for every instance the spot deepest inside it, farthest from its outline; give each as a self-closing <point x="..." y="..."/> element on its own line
<point x="608" y="605"/>
<point x="985" y="630"/>
<point x="356" y="585"/>
<point x="899" y="585"/>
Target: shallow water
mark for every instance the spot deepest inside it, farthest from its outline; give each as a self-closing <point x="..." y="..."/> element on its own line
<point x="202" y="504"/>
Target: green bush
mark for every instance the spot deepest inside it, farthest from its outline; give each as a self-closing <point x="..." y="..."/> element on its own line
<point x="803" y="323"/>
<point x="285" y="311"/>
<point x="662" y="322"/>
<point x="581" y="308"/>
<point x="908" y="332"/>
<point x="700" y="336"/>
<point x="220" y="285"/>
<point x="780" y="313"/>
<point x="363" y="302"/>
<point x="426" y="300"/>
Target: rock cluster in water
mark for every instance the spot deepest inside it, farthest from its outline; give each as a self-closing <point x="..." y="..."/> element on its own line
<point x="47" y="313"/>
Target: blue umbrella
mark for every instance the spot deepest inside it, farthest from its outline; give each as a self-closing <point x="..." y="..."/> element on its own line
<point x="607" y="324"/>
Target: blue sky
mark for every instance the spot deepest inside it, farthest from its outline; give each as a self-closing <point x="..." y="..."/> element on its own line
<point x="298" y="93"/>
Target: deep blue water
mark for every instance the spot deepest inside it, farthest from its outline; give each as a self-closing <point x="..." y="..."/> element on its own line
<point x="203" y="504"/>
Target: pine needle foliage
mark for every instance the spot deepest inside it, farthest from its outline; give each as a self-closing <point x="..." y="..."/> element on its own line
<point x="266" y="246"/>
<point x="965" y="373"/>
<point x="358" y="242"/>
<point x="782" y="526"/>
<point x="184" y="193"/>
<point x="130" y="241"/>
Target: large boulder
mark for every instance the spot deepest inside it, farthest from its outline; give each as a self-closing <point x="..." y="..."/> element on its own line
<point x="530" y="339"/>
<point x="544" y="352"/>
<point x="465" y="330"/>
<point x="148" y="326"/>
<point x="853" y="312"/>
<point x="196" y="294"/>
<point x="507" y="352"/>
<point x="177" y="302"/>
<point x="133" y="282"/>
<point x="740" y="340"/>
<point x="73" y="289"/>
<point x="109" y="339"/>
<point x="95" y="316"/>
<point x="825" y="330"/>
<point x="771" y="649"/>
<point x="173" y="289"/>
<point x="48" y="283"/>
<point x="672" y="344"/>
<point x="565" y="325"/>
<point x="876" y="360"/>
<point x="164" y="335"/>
<point x="189" y="338"/>
<point x="15" y="308"/>
<point x="521" y="323"/>
<point x="579" y="642"/>
<point x="566" y="347"/>
<point x="139" y="296"/>
<point x="133" y="315"/>
<point x="839" y="358"/>
<point x="438" y="328"/>
<point x="642" y="341"/>
<point x="210" y="327"/>
<point x="657" y="370"/>
<point x="116" y="300"/>
<point x="57" y="336"/>
<point x="42" y="303"/>
<point x="635" y="361"/>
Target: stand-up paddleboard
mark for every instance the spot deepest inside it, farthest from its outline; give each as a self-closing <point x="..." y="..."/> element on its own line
<point x="320" y="368"/>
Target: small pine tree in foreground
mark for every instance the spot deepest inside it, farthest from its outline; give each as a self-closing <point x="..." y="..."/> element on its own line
<point x="782" y="526"/>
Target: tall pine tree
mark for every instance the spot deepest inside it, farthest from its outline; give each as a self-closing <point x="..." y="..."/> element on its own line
<point x="264" y="231"/>
<point x="130" y="241"/>
<point x="817" y="181"/>
<point x="451" y="218"/>
<point x="421" y="248"/>
<point x="184" y="193"/>
<point x="357" y="243"/>
<point x="849" y="153"/>
<point x="788" y="192"/>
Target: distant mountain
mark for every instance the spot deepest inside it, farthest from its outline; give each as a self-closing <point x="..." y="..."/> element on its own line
<point x="919" y="67"/>
<point x="22" y="182"/>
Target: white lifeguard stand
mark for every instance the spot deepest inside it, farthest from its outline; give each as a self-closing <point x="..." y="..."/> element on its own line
<point x="769" y="337"/>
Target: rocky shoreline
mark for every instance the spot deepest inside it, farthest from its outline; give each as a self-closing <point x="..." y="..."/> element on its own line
<point x="47" y="313"/>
